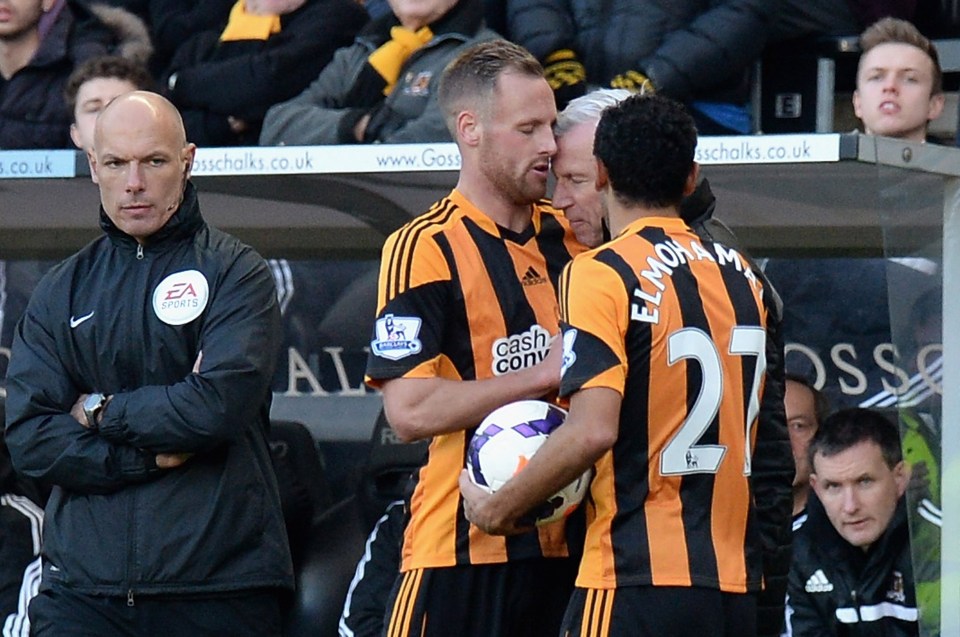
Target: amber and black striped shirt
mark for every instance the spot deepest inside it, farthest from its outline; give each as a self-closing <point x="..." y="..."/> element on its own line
<point x="675" y="324"/>
<point x="462" y="298"/>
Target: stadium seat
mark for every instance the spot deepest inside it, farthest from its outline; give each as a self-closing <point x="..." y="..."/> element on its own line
<point x="386" y="475"/>
<point x="336" y="538"/>
<point x="324" y="570"/>
<point x="301" y="478"/>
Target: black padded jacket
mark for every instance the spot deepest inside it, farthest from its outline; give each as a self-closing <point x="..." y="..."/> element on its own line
<point x="690" y="49"/>
<point x="129" y="320"/>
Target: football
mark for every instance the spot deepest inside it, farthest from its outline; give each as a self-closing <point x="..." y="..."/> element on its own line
<point x="506" y="440"/>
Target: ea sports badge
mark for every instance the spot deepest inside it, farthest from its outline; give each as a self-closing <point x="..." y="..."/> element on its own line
<point x="181" y="297"/>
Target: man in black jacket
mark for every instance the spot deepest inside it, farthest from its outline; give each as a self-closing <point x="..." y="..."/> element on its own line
<point x="139" y="387"/>
<point x="225" y="80"/>
<point x="41" y="41"/>
<point x="700" y="52"/>
<point x="852" y="572"/>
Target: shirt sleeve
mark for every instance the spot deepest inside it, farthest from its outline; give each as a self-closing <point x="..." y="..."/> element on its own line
<point x="413" y="292"/>
<point x="594" y="327"/>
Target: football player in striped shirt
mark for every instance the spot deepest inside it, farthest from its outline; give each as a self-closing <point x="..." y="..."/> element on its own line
<point x="665" y="356"/>
<point x="467" y="321"/>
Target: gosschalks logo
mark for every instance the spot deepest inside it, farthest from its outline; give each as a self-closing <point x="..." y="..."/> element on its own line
<point x="181" y="297"/>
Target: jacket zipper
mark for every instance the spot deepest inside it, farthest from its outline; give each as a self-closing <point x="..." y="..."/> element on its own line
<point x="131" y="550"/>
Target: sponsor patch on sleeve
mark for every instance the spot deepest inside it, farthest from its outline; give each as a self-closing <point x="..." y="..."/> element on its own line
<point x="397" y="337"/>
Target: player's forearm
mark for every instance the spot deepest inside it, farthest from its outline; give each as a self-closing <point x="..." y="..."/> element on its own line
<point x="568" y="452"/>
<point x="419" y="408"/>
<point x="589" y="432"/>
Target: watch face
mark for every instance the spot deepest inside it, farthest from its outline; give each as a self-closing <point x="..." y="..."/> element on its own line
<point x="92" y="402"/>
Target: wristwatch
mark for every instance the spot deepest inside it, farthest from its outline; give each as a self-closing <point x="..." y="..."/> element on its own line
<point x="92" y="406"/>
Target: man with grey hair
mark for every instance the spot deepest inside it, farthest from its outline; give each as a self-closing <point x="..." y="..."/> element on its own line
<point x="575" y="167"/>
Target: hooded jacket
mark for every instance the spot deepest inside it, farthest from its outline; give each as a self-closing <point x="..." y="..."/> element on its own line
<point x="33" y="113"/>
<point x="837" y="589"/>
<point x="130" y="321"/>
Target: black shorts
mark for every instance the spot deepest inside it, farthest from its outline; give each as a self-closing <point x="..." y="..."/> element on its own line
<point x="517" y="599"/>
<point x="655" y="611"/>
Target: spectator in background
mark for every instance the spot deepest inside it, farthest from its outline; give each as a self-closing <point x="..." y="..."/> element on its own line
<point x="698" y="52"/>
<point x="805" y="408"/>
<point x="899" y="81"/>
<point x="383" y="87"/>
<point x="93" y="85"/>
<point x="173" y="22"/>
<point x="898" y="92"/>
<point x="34" y="69"/>
<point x="223" y="82"/>
<point x="851" y="570"/>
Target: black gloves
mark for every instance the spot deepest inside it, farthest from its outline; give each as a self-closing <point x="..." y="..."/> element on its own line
<point x="566" y="75"/>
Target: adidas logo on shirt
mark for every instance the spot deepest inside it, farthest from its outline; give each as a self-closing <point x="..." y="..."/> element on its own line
<point x="532" y="277"/>
<point x="818" y="583"/>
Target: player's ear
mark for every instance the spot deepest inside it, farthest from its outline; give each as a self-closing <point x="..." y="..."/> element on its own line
<point x="469" y="127"/>
<point x="603" y="177"/>
<point x="92" y="161"/>
<point x="691" y="183"/>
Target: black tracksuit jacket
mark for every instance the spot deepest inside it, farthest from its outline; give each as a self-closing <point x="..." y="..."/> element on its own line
<point x="102" y="321"/>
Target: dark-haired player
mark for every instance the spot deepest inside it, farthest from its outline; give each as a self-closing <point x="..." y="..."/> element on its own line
<point x="664" y="366"/>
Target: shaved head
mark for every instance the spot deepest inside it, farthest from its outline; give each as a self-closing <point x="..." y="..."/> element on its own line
<point x="151" y="109"/>
<point x="141" y="160"/>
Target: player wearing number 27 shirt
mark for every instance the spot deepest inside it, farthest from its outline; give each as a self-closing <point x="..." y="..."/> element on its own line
<point x="676" y="325"/>
<point x="665" y="365"/>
